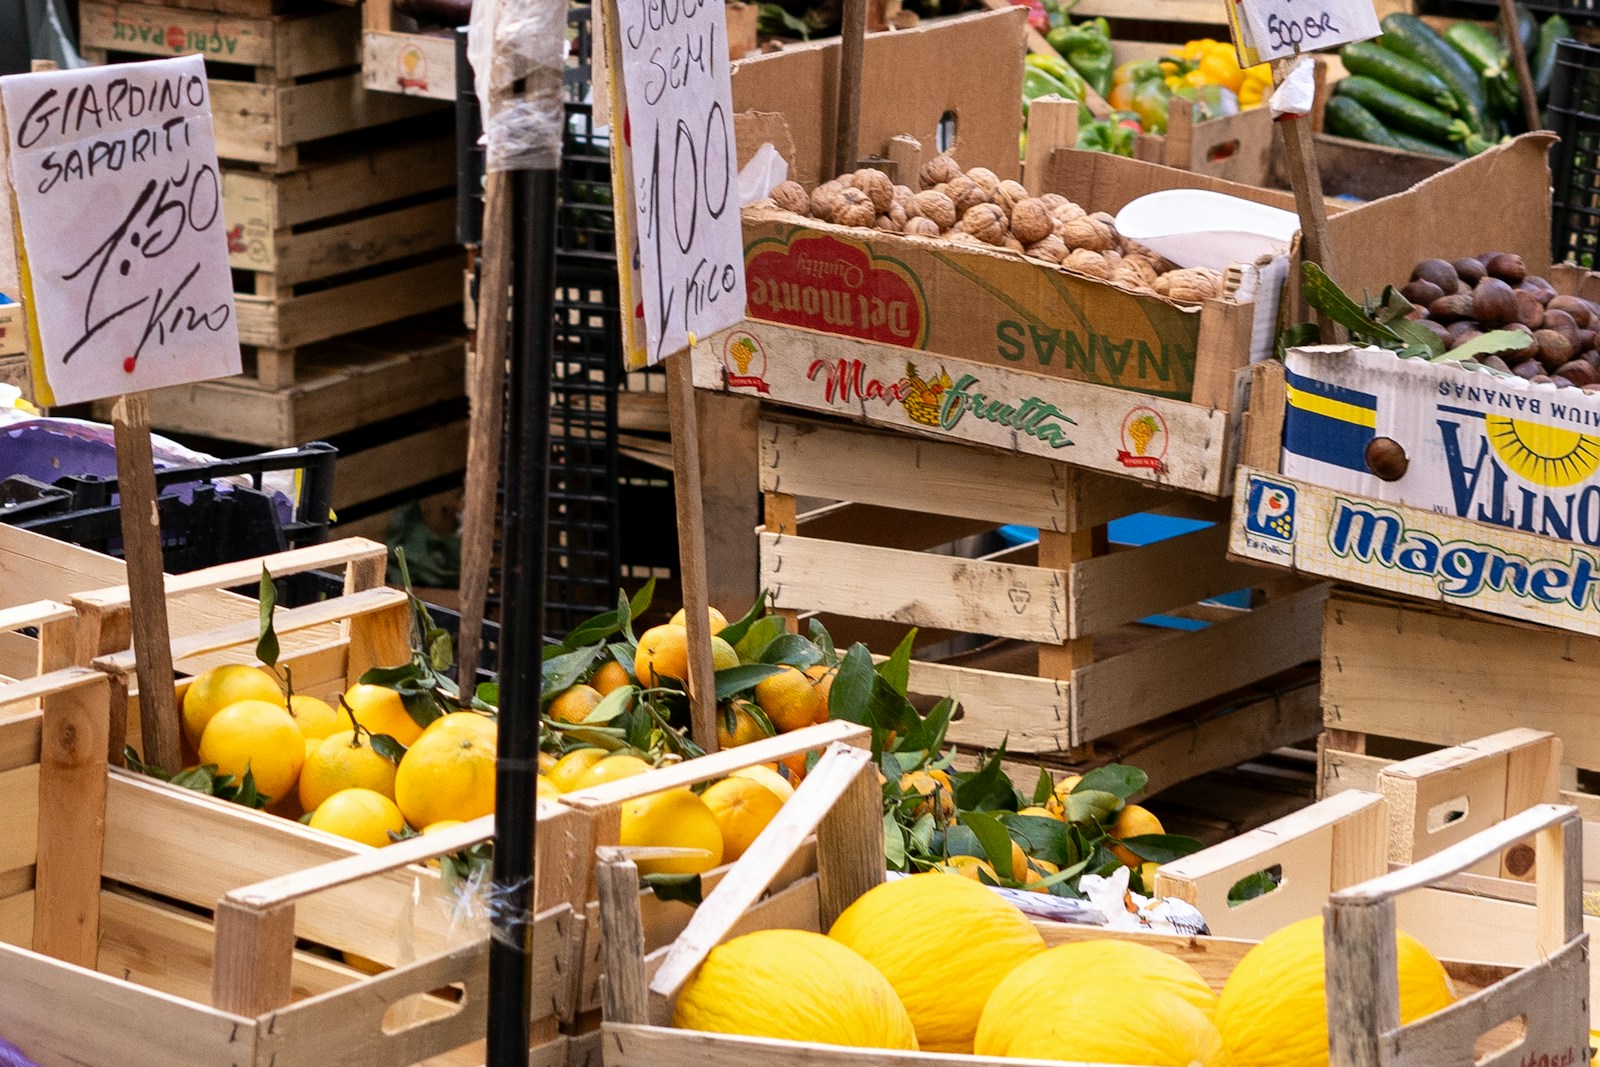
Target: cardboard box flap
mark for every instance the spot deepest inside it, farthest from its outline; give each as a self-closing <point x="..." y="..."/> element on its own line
<point x="1466" y="209"/>
<point x="910" y="79"/>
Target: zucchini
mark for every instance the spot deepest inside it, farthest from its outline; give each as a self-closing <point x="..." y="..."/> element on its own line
<point x="1402" y="112"/>
<point x="1397" y="72"/>
<point x="1424" y="146"/>
<point x="1409" y="36"/>
<point x="1542" y="63"/>
<point x="1345" y="117"/>
<point x="1489" y="58"/>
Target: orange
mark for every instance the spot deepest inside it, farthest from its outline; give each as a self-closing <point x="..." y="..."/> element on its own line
<point x="612" y="769"/>
<point x="547" y="761"/>
<point x="215" y="689"/>
<point x="569" y="768"/>
<point x="737" y="726"/>
<point x="448" y="775"/>
<point x="926" y="784"/>
<point x="743" y="809"/>
<point x="575" y="703"/>
<point x="722" y="655"/>
<point x="673" y="819"/>
<point x="1019" y="863"/>
<point x="968" y="867"/>
<point x="1133" y="821"/>
<point x="611" y="675"/>
<point x="343" y="761"/>
<point x="380" y="710"/>
<point x="359" y="814"/>
<point x="663" y="654"/>
<point x="822" y="677"/>
<point x="789" y="699"/>
<point x="1038" y="871"/>
<point x="257" y="736"/>
<point x="1058" y="797"/>
<point x="767" y="775"/>
<point x="1042" y="813"/>
<point x="794" y="766"/>
<point x="479" y="725"/>
<point x="546" y="789"/>
<point x="316" y="718"/>
<point x="719" y="621"/>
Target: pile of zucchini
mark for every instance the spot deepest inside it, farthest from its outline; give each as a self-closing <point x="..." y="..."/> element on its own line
<point x="1452" y="94"/>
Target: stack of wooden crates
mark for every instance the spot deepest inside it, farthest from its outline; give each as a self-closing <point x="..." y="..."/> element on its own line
<point x="340" y="212"/>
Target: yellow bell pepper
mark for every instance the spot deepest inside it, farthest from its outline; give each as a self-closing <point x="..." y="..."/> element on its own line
<point x="1256" y="87"/>
<point x="1220" y="66"/>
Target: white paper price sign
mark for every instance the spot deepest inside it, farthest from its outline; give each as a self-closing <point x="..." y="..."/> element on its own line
<point x="680" y="177"/>
<point x="125" y="254"/>
<point x="1275" y="29"/>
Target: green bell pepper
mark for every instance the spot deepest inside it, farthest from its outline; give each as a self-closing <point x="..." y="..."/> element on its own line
<point x="1087" y="47"/>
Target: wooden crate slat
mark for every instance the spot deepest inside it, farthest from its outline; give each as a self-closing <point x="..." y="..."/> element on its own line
<point x="888" y="527"/>
<point x="265" y="203"/>
<point x="389" y="468"/>
<point x="263" y="123"/>
<point x="1118" y="588"/>
<point x="1165" y="676"/>
<point x="897" y="471"/>
<point x="291" y="46"/>
<point x="288" y="322"/>
<point x="1025" y="603"/>
<point x="1033" y="713"/>
<point x="1401" y="671"/>
<point x="16" y="918"/>
<point x="363" y="243"/>
<point x="19" y="795"/>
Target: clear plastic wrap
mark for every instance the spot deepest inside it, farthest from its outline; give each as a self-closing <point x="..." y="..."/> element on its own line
<point x="511" y="42"/>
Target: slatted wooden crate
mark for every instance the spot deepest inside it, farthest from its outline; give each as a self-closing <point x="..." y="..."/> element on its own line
<point x="1066" y="661"/>
<point x="200" y="932"/>
<point x="1548" y="988"/>
<point x="340" y="386"/>
<point x="278" y="83"/>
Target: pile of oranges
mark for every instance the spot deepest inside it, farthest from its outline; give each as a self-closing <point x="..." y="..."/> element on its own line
<point x="309" y="758"/>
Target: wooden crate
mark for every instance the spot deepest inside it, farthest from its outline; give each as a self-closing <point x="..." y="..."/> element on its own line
<point x="1359" y="834"/>
<point x="408" y="458"/>
<point x="278" y="84"/>
<point x="199" y="931"/>
<point x="641" y="987"/>
<point x="340" y="386"/>
<point x="351" y="242"/>
<point x="1068" y="662"/>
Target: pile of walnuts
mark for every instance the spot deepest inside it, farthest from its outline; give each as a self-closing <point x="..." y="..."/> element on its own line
<point x="977" y="207"/>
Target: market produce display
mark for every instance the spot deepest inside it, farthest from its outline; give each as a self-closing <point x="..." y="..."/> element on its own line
<point x="975" y="207"/>
<point x="1449" y="94"/>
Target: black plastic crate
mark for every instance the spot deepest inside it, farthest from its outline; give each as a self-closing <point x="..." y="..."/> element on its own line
<point x="1575" y="168"/>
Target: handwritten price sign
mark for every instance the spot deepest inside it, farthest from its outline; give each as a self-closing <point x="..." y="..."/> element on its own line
<point x="114" y="170"/>
<point x="681" y="175"/>
<point x="1275" y="29"/>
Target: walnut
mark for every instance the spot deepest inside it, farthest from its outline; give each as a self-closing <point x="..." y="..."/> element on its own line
<point x="1009" y="194"/>
<point x="1135" y="272"/>
<point x="987" y="223"/>
<point x="791" y="196"/>
<point x="824" y="198"/>
<point x="1088" y="233"/>
<point x="766" y="203"/>
<point x="1064" y="213"/>
<point x="1084" y="261"/>
<point x="855" y="209"/>
<point x="1109" y="220"/>
<point x="938" y="170"/>
<point x="1112" y="257"/>
<point x="1053" y="200"/>
<point x="1030" y="221"/>
<point x="960" y="237"/>
<point x="936" y="206"/>
<point x="967" y="194"/>
<point x="876" y="184"/>
<point x="893" y="220"/>
<point x="847" y="180"/>
<point x="1052" y="249"/>
<point x="917" y="226"/>
<point x="1190" y="284"/>
<point x="988" y="179"/>
<point x="1013" y="245"/>
<point x="906" y="199"/>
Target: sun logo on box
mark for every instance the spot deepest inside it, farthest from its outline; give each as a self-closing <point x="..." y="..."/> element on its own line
<point x="1545" y="455"/>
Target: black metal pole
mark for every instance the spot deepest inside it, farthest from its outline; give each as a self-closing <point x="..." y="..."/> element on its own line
<point x="533" y="259"/>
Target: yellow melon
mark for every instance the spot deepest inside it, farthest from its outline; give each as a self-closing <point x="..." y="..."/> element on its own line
<point x="1273" y="1011"/>
<point x="795" y="986"/>
<point x="945" y="978"/>
<point x="1099" y="1018"/>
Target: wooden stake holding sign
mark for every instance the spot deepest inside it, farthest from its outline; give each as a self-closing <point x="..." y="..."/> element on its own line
<point x="1280" y="32"/>
<point x="1519" y="64"/>
<point x="114" y="188"/>
<point x="676" y="182"/>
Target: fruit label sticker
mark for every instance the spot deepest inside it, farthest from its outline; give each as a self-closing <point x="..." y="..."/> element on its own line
<point x="1275" y="29"/>
<point x="124" y="255"/>
<point x="1414" y="552"/>
<point x="680" y="184"/>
